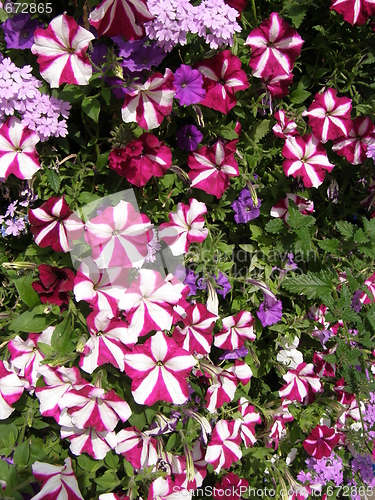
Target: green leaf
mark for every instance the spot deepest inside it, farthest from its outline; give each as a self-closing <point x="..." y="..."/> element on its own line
<point x="329" y="245"/>
<point x="61" y="336"/>
<point x="53" y="179"/>
<point x="25" y="291"/>
<point x="274" y="226"/>
<point x="345" y="228"/>
<point x="34" y="321"/>
<point x="106" y="94"/>
<point x="296" y="12"/>
<point x="299" y="96"/>
<point x="71" y="93"/>
<point x="91" y="107"/>
<point x="21" y="454"/>
<point x="112" y="460"/>
<point x="313" y="285"/>
<point x="108" y="481"/>
<point x="359" y="236"/>
<point x="3" y="15"/>
<point x="369" y="226"/>
<point x="261" y="130"/>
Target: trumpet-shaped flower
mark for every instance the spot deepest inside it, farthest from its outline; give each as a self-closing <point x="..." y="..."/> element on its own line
<point x="300" y="382"/>
<point x="354" y="11"/>
<point x="91" y="406"/>
<point x="354" y="146"/>
<point x="321" y="441"/>
<point x="274" y="47"/>
<point x="137" y="447"/>
<point x="370" y="283"/>
<point x="285" y="126"/>
<point x="61" y="51"/>
<point x="119" y="236"/>
<point x="329" y="116"/>
<point x="159" y="370"/>
<point x="18" y="155"/>
<point x="58" y="481"/>
<point x="211" y="167"/>
<point x="121" y="17"/>
<point x="222" y="78"/>
<point x="224" y="447"/>
<point x="307" y="158"/>
<point x="196" y="336"/>
<point x="281" y="209"/>
<point x="248" y="421"/>
<point x="236" y="329"/>
<point x="88" y="440"/>
<point x="54" y="225"/>
<point x="149" y="302"/>
<point x="147" y="104"/>
<point x="11" y="389"/>
<point x="185" y="226"/>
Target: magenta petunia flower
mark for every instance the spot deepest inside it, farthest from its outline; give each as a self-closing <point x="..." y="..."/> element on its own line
<point x="222" y="78"/>
<point x="355" y="146"/>
<point x="300" y="382"/>
<point x="58" y="481"/>
<point x="236" y="329"/>
<point x="61" y="51"/>
<point x="11" y="389"/>
<point x="321" y="441"/>
<point x="189" y="85"/>
<point x="224" y="447"/>
<point x="354" y="11"/>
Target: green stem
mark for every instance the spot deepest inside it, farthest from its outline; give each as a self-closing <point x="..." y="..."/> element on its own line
<point x="254" y="12"/>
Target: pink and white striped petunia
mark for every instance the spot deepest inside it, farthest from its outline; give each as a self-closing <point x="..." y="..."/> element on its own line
<point x="54" y="225"/>
<point x="196" y="336"/>
<point x="211" y="167"/>
<point x="274" y="47"/>
<point x="370" y="283"/>
<point x="354" y="11"/>
<point x="61" y="51"/>
<point x="281" y="209"/>
<point x="321" y="441"/>
<point x="58" y="481"/>
<point x="95" y="443"/>
<point x="185" y="226"/>
<point x="248" y="421"/>
<point x="222" y="78"/>
<point x="11" y="389"/>
<point x="329" y="116"/>
<point x="119" y="236"/>
<point x="149" y="302"/>
<point x="285" y="126"/>
<point x="58" y="381"/>
<point x="137" y="447"/>
<point x="224" y="448"/>
<point x="121" y="17"/>
<point x="300" y="382"/>
<point x="307" y="158"/>
<point x="236" y="329"/>
<point x="18" y="155"/>
<point x="25" y="356"/>
<point x="101" y="288"/>
<point x="110" y="340"/>
<point x="354" y="147"/>
<point x="91" y="406"/>
<point x="159" y="370"/>
<point x="149" y="103"/>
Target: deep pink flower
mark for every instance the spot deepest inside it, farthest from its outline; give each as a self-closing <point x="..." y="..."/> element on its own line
<point x="370" y="283"/>
<point x="278" y="85"/>
<point x="321" y="441"/>
<point x="232" y="485"/>
<point x="285" y="126"/>
<point x="281" y="209"/>
<point x="58" y="481"/>
<point x="300" y="382"/>
<point x="121" y="17"/>
<point x="54" y="284"/>
<point x="274" y="47"/>
<point x="61" y="51"/>
<point x="138" y="448"/>
<point x="149" y="103"/>
<point x="141" y="159"/>
<point x="236" y="329"/>
<point x="354" y="147"/>
<point x="11" y="389"/>
<point x="249" y="418"/>
<point x="222" y="78"/>
<point x="196" y="336"/>
<point x="88" y="440"/>
<point x="224" y="448"/>
<point x="185" y="226"/>
<point x="211" y="167"/>
<point x="329" y="116"/>
<point x="159" y="370"/>
<point x="307" y="158"/>
<point x="354" y="11"/>
<point x="18" y="155"/>
<point x="54" y="225"/>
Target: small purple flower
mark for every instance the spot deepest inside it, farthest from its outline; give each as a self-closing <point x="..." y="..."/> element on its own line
<point x="370" y="153"/>
<point x="270" y="311"/>
<point x="137" y="56"/>
<point x="19" y="31"/>
<point x="237" y="353"/>
<point x="189" y="85"/>
<point x="221" y="281"/>
<point x="356" y="303"/>
<point x="189" y="279"/>
<point x="244" y="207"/>
<point x="188" y="137"/>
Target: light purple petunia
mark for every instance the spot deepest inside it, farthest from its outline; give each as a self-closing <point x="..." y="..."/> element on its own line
<point x="245" y="208"/>
<point x="19" y="31"/>
<point x="189" y="85"/>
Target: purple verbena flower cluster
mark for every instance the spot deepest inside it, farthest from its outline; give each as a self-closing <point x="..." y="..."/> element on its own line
<point x="19" y="92"/>
<point x="14" y="221"/>
<point x="213" y="20"/>
<point x="322" y="471"/>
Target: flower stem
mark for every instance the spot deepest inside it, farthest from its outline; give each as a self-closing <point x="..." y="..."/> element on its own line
<point x="254" y="12"/>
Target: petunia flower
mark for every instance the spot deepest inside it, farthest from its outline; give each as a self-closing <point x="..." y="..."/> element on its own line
<point x="281" y="209"/>
<point x="245" y="208"/>
<point x="321" y="441"/>
<point x="355" y="146"/>
<point x="185" y="226"/>
<point x="137" y="56"/>
<point x="274" y="47"/>
<point x="211" y="167"/>
<point x="138" y="448"/>
<point x="54" y="284"/>
<point x="11" y="389"/>
<point x="307" y="158"/>
<point x="300" y="382"/>
<point x="88" y="440"/>
<point x="222" y="78"/>
<point x="61" y="51"/>
<point x="18" y="155"/>
<point x="224" y="448"/>
<point x="19" y="31"/>
<point x="149" y="103"/>
<point x="249" y="418"/>
<point x="270" y="311"/>
<point x="121" y="17"/>
<point x="354" y="11"/>
<point x="189" y="85"/>
<point x="58" y="481"/>
<point x="188" y="137"/>
<point x="236" y="330"/>
<point x="196" y="335"/>
<point x="285" y="126"/>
